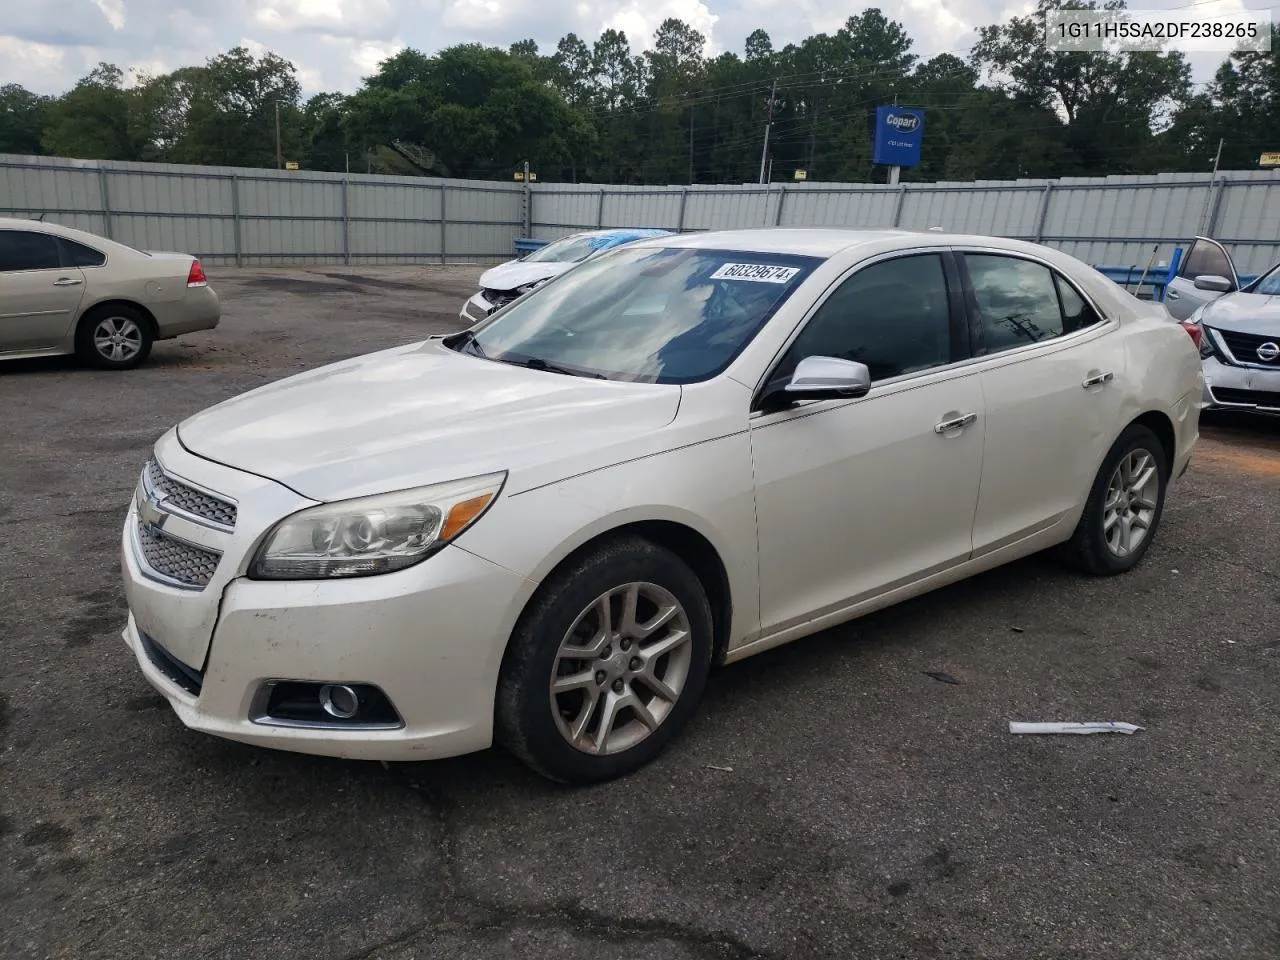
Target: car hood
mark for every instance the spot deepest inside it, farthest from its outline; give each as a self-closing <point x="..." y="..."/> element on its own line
<point x="516" y="273"/>
<point x="423" y="414"/>
<point x="1244" y="313"/>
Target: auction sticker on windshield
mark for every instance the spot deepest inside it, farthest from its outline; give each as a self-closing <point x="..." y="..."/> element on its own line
<point x="760" y="272"/>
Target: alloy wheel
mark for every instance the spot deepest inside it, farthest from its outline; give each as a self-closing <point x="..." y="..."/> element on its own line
<point x="117" y="339"/>
<point x="621" y="668"/>
<point x="1130" y="506"/>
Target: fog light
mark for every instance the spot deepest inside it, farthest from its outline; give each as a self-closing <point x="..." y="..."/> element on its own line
<point x="339" y="701"/>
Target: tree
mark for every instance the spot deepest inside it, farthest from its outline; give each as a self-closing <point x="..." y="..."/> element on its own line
<point x="23" y="115"/>
<point x="1109" y="102"/>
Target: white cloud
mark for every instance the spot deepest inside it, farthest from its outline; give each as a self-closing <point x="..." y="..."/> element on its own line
<point x="113" y="10"/>
<point x="47" y="45"/>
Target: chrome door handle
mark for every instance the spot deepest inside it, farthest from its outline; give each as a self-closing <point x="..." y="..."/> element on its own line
<point x="66" y="282"/>
<point x="1172" y="295"/>
<point x="1097" y="380"/>
<point x="946" y="426"/>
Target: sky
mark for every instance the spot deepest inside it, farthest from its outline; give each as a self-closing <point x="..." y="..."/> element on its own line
<point x="46" y="45"/>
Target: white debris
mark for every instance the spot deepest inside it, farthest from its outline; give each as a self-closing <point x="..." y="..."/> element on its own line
<point x="712" y="766"/>
<point x="1107" y="726"/>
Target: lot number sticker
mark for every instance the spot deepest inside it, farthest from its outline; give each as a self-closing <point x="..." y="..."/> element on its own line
<point x="759" y="272"/>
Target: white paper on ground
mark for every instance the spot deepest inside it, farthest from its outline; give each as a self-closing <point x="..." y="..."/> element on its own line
<point x="1108" y="726"/>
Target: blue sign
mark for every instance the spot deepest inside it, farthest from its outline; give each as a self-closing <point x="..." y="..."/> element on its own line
<point x="899" y="134"/>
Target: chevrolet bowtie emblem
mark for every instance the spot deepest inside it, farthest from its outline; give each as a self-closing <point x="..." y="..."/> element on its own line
<point x="150" y="513"/>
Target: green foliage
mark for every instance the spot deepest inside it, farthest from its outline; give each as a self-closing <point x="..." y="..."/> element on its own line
<point x="598" y="111"/>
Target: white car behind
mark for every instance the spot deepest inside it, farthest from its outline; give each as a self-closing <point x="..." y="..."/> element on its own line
<point x="547" y="529"/>
<point x="502" y="284"/>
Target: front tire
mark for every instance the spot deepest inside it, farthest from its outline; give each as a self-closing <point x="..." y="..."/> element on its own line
<point x="606" y="665"/>
<point x="1125" y="504"/>
<point x="114" y="338"/>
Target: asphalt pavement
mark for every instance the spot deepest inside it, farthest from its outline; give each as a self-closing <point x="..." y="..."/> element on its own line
<point x="832" y="799"/>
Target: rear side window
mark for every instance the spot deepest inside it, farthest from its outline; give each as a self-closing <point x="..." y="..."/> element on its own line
<point x="23" y="250"/>
<point x="78" y="255"/>
<point x="1023" y="302"/>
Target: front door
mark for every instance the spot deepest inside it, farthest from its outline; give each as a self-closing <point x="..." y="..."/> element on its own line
<point x="38" y="298"/>
<point x="1051" y="387"/>
<point x="856" y="497"/>
<point x="1205" y="258"/>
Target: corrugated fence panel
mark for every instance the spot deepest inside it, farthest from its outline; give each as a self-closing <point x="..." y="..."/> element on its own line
<point x="570" y="209"/>
<point x="657" y="208"/>
<point x="488" y="207"/>
<point x="202" y="236"/>
<point x="284" y="217"/>
<point x="408" y="238"/>
<point x="291" y="241"/>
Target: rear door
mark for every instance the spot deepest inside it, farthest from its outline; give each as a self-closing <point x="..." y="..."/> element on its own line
<point x="1205" y="258"/>
<point x="1051" y="371"/>
<point x="39" y="298"/>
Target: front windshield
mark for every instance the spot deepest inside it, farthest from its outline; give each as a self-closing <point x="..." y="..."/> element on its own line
<point x="646" y="314"/>
<point x="1269" y="285"/>
<point x="565" y="250"/>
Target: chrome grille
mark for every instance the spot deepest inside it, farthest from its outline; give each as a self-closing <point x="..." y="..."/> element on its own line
<point x="175" y="559"/>
<point x="189" y="500"/>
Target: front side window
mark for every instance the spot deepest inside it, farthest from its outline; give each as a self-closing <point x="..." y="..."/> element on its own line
<point x="1022" y="302"/>
<point x="645" y="314"/>
<point x="1205" y="259"/>
<point x="24" y="250"/>
<point x="893" y="316"/>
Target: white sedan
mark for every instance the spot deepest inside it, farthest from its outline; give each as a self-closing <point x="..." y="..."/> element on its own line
<point x="546" y="529"/>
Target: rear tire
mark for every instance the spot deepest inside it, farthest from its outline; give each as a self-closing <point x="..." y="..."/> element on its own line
<point x="1124" y="507"/>
<point x="115" y="337"/>
<point x="606" y="665"/>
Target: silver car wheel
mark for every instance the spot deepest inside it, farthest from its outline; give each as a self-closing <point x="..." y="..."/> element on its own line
<point x="621" y="668"/>
<point x="117" y="339"/>
<point x="1130" y="507"/>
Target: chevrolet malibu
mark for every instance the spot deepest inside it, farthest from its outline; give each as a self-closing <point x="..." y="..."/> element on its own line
<point x="544" y="530"/>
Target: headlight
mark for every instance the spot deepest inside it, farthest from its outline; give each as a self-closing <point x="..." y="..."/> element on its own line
<point x="375" y="534"/>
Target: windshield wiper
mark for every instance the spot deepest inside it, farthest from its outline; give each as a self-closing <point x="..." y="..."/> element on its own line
<point x="537" y="363"/>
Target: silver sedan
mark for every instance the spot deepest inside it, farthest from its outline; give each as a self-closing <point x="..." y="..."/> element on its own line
<point x="64" y="291"/>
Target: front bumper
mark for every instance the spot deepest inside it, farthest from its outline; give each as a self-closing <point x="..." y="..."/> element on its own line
<point x="431" y="638"/>
<point x="1229" y="387"/>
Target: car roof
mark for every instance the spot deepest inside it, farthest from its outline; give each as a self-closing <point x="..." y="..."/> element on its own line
<point x="829" y="241"/>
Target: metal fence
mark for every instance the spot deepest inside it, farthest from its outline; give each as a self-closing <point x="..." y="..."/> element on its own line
<point x="229" y="215"/>
<point x="1101" y="220"/>
<point x="256" y="217"/>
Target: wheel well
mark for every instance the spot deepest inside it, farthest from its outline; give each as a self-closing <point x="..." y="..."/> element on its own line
<point x="1162" y="427"/>
<point x="695" y="550"/>
<point x="100" y="308"/>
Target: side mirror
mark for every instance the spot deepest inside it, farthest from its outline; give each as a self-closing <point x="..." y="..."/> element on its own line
<point x="1210" y="281"/>
<point x="821" y="378"/>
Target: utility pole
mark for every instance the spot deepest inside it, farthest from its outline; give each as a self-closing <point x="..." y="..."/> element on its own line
<point x="767" y="126"/>
<point x="1209" y="193"/>
<point x="690" y="144"/>
<point x="279" y="156"/>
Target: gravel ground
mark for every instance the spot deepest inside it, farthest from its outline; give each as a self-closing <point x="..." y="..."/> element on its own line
<point x="830" y="800"/>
